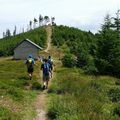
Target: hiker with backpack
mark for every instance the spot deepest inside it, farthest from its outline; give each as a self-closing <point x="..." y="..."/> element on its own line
<point x="45" y="67"/>
<point x="30" y="65"/>
<point x="50" y="61"/>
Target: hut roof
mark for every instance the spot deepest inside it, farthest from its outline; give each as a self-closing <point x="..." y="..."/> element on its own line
<point x="37" y="46"/>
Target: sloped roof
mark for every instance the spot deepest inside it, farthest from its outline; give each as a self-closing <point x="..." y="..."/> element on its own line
<point x="30" y="43"/>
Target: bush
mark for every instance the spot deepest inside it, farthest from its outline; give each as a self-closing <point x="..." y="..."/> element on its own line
<point x="82" y="59"/>
<point x="114" y="94"/>
<point x="103" y="66"/>
<point x="68" y="61"/>
<point x="116" y="111"/>
<point x="90" y="68"/>
<point x="117" y="82"/>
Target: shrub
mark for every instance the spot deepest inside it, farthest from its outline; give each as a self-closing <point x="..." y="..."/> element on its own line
<point x="68" y="61"/>
<point x="81" y="60"/>
<point x="116" y="111"/>
<point x="90" y="68"/>
<point x="117" y="82"/>
<point x="114" y="94"/>
<point x="103" y="63"/>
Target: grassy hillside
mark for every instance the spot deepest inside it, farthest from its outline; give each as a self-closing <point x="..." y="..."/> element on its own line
<point x="82" y="45"/>
<point x="17" y="92"/>
<point x="96" y="54"/>
<point x="73" y="94"/>
<point x="77" y="96"/>
<point x="8" y="44"/>
<point x="74" y="38"/>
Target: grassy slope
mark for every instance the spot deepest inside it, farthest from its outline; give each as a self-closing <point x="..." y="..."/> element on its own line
<point x="17" y="93"/>
<point x="74" y="95"/>
<point x="16" y="90"/>
<point x="37" y="35"/>
<point x="77" y="96"/>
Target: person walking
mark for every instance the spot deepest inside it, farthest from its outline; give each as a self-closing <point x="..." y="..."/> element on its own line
<point x="50" y="61"/>
<point x="30" y="65"/>
<point x="45" y="67"/>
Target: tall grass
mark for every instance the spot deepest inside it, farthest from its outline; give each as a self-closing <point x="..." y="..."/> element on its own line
<point x="76" y="96"/>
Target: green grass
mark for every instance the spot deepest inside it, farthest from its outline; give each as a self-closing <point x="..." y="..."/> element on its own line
<point x="76" y="96"/>
<point x="17" y="92"/>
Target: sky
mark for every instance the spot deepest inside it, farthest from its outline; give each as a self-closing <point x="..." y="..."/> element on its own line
<point x="83" y="14"/>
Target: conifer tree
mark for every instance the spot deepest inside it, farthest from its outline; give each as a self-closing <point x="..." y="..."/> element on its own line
<point x="40" y="20"/>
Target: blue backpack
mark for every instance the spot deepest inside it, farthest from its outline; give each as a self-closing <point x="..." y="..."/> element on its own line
<point x="46" y="69"/>
<point x="50" y="62"/>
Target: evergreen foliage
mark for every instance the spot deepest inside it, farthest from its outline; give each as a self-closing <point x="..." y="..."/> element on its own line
<point x="83" y="46"/>
<point x="96" y="54"/>
<point x="8" y="44"/>
<point x="68" y="60"/>
<point x="108" y="53"/>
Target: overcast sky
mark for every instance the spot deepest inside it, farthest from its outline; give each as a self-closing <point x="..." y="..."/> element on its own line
<point x="84" y="14"/>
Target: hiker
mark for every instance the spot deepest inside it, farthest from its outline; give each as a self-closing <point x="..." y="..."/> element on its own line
<point x="45" y="67"/>
<point x="30" y="65"/>
<point x="50" y="61"/>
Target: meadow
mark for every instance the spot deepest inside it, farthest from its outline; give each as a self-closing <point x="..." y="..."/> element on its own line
<point x="77" y="96"/>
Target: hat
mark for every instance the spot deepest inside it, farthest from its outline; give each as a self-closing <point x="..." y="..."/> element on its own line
<point x="30" y="56"/>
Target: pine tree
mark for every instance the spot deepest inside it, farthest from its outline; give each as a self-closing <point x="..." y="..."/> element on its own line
<point x="52" y="20"/>
<point x="15" y="31"/>
<point x="8" y="33"/>
<point x="107" y="23"/>
<point x="30" y="25"/>
<point x="35" y="22"/>
<point x="46" y="19"/>
<point x="4" y="35"/>
<point x="40" y="20"/>
<point x="116" y="23"/>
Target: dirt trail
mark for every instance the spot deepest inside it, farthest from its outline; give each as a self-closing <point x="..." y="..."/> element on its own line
<point x="49" y="34"/>
<point x="41" y="101"/>
<point x="40" y="105"/>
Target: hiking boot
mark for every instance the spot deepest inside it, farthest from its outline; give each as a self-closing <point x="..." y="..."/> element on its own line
<point x="43" y="87"/>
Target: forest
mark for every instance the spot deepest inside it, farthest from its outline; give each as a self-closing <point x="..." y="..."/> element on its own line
<point x="95" y="53"/>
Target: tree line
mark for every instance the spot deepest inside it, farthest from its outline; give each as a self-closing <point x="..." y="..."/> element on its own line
<point x="108" y="42"/>
<point x="95" y="53"/>
<point x="37" y="35"/>
<point x="35" y="23"/>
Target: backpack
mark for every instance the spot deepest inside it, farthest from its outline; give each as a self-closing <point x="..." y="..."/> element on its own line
<point x="50" y="61"/>
<point x="46" y="69"/>
<point x="30" y="63"/>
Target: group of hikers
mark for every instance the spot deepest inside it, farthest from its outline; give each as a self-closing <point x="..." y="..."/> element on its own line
<point x="46" y="67"/>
